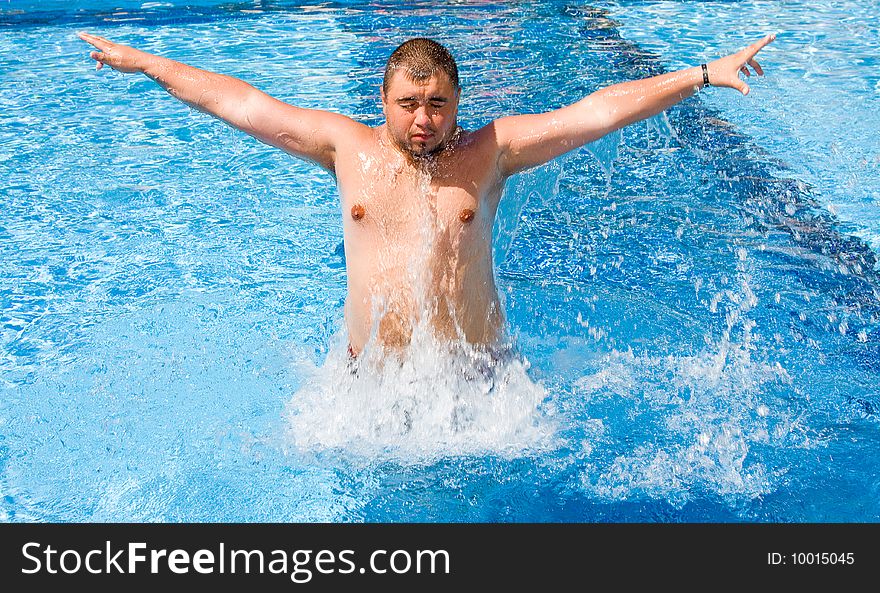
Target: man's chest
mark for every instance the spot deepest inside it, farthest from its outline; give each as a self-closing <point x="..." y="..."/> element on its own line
<point x="407" y="203"/>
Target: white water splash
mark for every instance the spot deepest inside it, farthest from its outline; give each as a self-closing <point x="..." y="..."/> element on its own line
<point x="697" y="418"/>
<point x="419" y="406"/>
<point x="712" y="411"/>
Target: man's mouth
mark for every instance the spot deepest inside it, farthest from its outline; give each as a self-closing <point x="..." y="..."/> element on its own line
<point x="421" y="137"/>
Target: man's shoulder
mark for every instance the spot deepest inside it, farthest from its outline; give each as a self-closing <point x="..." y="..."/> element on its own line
<point x="481" y="141"/>
<point x="487" y="134"/>
<point x="356" y="135"/>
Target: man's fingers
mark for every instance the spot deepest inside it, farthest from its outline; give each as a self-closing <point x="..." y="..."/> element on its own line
<point x="87" y="37"/>
<point x="757" y="67"/>
<point x="98" y="42"/>
<point x="98" y="57"/>
<point x="759" y="45"/>
<point x="104" y="45"/>
<point x="745" y="71"/>
<point x="764" y="41"/>
<point x="93" y="41"/>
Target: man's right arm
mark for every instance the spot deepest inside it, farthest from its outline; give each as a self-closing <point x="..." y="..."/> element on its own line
<point x="306" y="133"/>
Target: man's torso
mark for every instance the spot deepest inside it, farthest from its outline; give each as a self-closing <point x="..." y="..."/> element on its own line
<point x="418" y="240"/>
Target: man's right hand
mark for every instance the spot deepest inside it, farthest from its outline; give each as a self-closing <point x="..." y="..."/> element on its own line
<point x="119" y="57"/>
<point x="305" y="133"/>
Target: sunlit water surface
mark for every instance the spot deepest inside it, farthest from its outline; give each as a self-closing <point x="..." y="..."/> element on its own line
<point x="694" y="300"/>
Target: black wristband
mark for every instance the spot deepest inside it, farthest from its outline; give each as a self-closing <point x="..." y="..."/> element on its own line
<point x="705" y="75"/>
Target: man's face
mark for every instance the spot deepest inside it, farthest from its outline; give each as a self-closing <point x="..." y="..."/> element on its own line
<point x="420" y="115"/>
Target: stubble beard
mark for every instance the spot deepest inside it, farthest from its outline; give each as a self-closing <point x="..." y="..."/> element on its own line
<point x="424" y="153"/>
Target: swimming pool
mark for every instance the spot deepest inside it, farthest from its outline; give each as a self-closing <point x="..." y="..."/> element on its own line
<point x="696" y="298"/>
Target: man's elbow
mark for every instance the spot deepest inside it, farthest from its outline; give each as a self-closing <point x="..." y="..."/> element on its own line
<point x="594" y="118"/>
<point x="237" y="111"/>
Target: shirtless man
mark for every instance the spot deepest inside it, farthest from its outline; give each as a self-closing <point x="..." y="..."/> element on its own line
<point x="418" y="193"/>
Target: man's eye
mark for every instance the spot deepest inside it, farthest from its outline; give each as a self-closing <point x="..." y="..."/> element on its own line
<point x="408" y="104"/>
<point x="438" y="104"/>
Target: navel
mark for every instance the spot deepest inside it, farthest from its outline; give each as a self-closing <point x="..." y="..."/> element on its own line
<point x="357" y="212"/>
<point x="466" y="215"/>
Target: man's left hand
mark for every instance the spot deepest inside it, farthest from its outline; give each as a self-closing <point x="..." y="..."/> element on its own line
<point x="725" y="71"/>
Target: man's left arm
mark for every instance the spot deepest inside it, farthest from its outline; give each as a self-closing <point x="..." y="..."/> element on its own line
<point x="526" y="141"/>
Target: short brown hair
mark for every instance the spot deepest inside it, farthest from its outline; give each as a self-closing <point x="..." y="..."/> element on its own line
<point x="420" y="59"/>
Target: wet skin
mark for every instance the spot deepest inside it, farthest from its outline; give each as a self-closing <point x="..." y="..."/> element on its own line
<point x="419" y="197"/>
<point x="418" y="194"/>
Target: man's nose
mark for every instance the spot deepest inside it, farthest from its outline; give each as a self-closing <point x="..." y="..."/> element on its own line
<point x="423" y="118"/>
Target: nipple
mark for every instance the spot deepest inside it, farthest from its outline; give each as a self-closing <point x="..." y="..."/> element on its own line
<point x="466" y="215"/>
<point x="357" y="212"/>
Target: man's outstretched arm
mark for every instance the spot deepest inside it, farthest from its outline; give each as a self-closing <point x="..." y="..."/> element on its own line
<point x="526" y="141"/>
<point x="305" y="133"/>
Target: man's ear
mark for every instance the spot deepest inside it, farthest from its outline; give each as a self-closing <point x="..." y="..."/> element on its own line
<point x="384" y="99"/>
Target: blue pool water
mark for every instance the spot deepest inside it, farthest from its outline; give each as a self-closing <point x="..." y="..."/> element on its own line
<point x="696" y="298"/>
